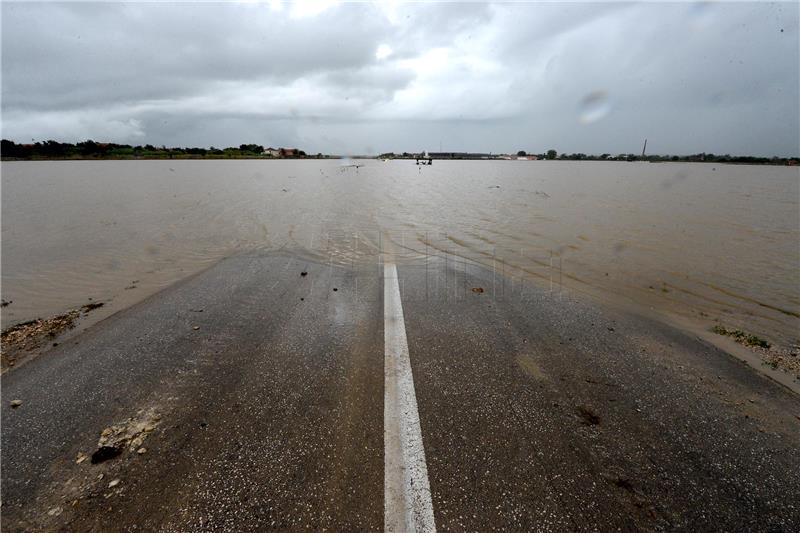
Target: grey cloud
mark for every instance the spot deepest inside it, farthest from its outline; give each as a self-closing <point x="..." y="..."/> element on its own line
<point x="499" y="77"/>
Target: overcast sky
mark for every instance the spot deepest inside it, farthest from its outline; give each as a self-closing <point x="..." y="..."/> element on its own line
<point x="368" y="78"/>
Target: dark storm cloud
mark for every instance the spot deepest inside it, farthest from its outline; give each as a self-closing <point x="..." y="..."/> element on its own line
<point x="349" y="77"/>
<point x="105" y="53"/>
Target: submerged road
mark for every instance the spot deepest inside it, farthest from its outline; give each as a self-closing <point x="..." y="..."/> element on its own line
<point x="408" y="396"/>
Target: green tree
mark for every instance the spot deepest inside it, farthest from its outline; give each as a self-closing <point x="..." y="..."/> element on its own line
<point x="552" y="154"/>
<point x="521" y="153"/>
<point x="251" y="148"/>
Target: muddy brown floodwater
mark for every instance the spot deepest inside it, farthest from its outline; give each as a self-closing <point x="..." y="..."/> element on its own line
<point x="704" y="244"/>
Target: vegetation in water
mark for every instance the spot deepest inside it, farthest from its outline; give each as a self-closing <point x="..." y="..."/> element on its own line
<point x="748" y="339"/>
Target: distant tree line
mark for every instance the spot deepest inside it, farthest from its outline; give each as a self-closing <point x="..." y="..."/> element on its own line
<point x="95" y="150"/>
<point x="655" y="158"/>
<point x="553" y="155"/>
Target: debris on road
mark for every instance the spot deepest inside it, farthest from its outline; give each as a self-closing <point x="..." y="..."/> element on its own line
<point x="778" y="357"/>
<point x="477" y="290"/>
<point x="81" y="458"/>
<point x="104" y="453"/>
<point x="748" y="339"/>
<point x="304" y="274"/>
<point x="196" y="328"/>
<point x="131" y="434"/>
<point x="589" y="417"/>
<point x="4" y="303"/>
<point x="20" y="339"/>
<point x="16" y="403"/>
<point x="113" y="483"/>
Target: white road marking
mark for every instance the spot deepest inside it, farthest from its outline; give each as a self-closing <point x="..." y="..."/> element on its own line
<point x="407" y="492"/>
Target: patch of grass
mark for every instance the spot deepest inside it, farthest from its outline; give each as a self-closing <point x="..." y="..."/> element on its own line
<point x="748" y="339"/>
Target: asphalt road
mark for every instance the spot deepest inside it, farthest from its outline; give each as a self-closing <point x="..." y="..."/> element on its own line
<point x="257" y="396"/>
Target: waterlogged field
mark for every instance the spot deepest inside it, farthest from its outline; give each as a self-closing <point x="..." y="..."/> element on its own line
<point x="711" y="244"/>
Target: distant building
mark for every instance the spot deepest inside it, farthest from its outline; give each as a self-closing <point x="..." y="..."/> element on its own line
<point x="288" y="152"/>
<point x="529" y="157"/>
<point x="272" y="152"/>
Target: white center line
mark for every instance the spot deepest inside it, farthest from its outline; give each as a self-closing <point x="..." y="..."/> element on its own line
<point x="407" y="493"/>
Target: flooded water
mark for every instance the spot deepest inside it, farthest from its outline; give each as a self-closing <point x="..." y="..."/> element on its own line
<point x="698" y="241"/>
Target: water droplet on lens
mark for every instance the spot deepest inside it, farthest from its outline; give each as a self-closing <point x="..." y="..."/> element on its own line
<point x="700" y="15"/>
<point x="593" y="107"/>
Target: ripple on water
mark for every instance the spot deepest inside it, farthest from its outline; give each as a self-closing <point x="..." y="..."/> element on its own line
<point x="64" y="240"/>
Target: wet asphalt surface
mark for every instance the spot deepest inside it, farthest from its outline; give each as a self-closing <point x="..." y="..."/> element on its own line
<point x="538" y="410"/>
